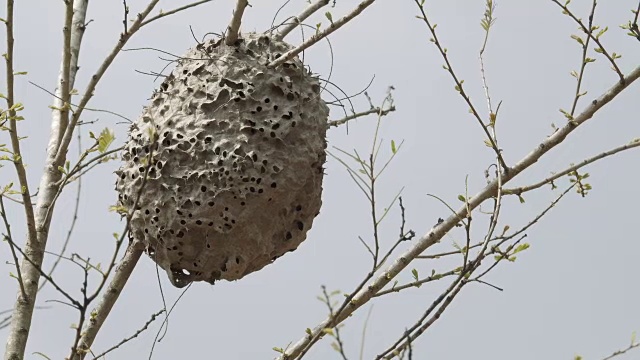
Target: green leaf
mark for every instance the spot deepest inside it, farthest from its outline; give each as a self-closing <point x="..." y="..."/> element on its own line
<point x="521" y="247"/>
<point x="277" y="349"/>
<point x="118" y="208"/>
<point x="578" y="39"/>
<point x="329" y="16"/>
<point x="20" y="73"/>
<point x="393" y="147"/>
<point x="462" y="198"/>
<point x="308" y="331"/>
<point x="414" y="272"/>
<point x="7" y="187"/>
<point x="521" y="199"/>
<point x="105" y="139"/>
<point x="16" y="107"/>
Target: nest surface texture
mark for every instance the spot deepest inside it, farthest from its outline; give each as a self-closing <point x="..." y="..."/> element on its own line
<point x="236" y="153"/>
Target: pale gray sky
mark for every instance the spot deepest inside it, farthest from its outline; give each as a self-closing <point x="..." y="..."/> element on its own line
<point x="573" y="292"/>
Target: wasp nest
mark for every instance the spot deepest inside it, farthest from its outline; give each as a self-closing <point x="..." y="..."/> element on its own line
<point x="237" y="152"/>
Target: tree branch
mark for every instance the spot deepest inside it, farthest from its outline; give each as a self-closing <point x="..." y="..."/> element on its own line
<point x="375" y="110"/>
<point x="310" y="10"/>
<point x="110" y="296"/>
<point x="519" y="190"/>
<point x="437" y="232"/>
<point x="89" y="91"/>
<point x="321" y="35"/>
<point x="38" y="226"/>
<point x="233" y="30"/>
<point x="171" y="12"/>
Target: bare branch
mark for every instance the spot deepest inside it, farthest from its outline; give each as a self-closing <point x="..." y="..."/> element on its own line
<point x="171" y="12"/>
<point x="519" y="190"/>
<point x="310" y="10"/>
<point x="135" y="335"/>
<point x="233" y="30"/>
<point x="375" y="110"/>
<point x="321" y="35"/>
<point x="9" y="239"/>
<point x="634" y="344"/>
<point x="437" y="232"/>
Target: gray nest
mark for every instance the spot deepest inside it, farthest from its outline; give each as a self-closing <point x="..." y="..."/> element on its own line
<point x="237" y="152"/>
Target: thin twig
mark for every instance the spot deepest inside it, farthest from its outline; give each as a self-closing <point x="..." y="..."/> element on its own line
<point x="520" y="190"/>
<point x="336" y="330"/>
<point x="135" y="335"/>
<point x="589" y="33"/>
<point x="171" y="12"/>
<point x="364" y="332"/>
<point x="458" y="82"/>
<point x="631" y="346"/>
<point x="376" y="110"/>
<point x="9" y="239"/>
<point x="101" y="312"/>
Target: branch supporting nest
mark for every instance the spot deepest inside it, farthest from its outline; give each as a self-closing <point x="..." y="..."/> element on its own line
<point x="233" y="30"/>
<point x="310" y="10"/>
<point x="321" y="35"/>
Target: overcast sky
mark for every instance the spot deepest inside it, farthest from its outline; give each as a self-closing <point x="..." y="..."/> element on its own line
<point x="573" y="292"/>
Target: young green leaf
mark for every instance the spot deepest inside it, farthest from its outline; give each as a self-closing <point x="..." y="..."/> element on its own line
<point x="329" y="16"/>
<point x="106" y="138"/>
<point x="414" y="272"/>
